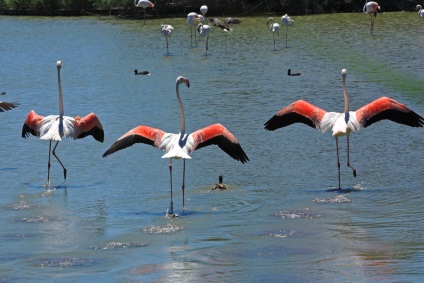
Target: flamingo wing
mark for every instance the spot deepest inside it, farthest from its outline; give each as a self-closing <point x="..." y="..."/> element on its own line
<point x="5" y="106"/>
<point x="32" y="124"/>
<point x="298" y="112"/>
<point x="388" y="108"/>
<point x="89" y="125"/>
<point x="140" y="134"/>
<point x="219" y="135"/>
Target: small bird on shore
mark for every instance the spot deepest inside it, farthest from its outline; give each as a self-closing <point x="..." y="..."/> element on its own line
<point x="136" y="72"/>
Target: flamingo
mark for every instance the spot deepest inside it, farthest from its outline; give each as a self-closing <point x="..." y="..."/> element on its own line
<point x="166" y="31"/>
<point x="289" y="73"/>
<point x="274" y="28"/>
<point x="420" y="10"/>
<point x="287" y="22"/>
<point x="180" y="145"/>
<point x="371" y="8"/>
<point x="143" y="4"/>
<point x="192" y="20"/>
<point x="218" y="23"/>
<point x="204" y="10"/>
<point x="204" y="31"/>
<point x="342" y="124"/>
<point x="6" y="106"/>
<point x="55" y="127"/>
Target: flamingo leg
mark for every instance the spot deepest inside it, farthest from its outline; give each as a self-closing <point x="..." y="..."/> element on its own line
<point x="191" y="36"/>
<point x="48" y="163"/>
<point x="348" y="163"/>
<point x="171" y="204"/>
<point x="338" y="159"/>
<point x="207" y="48"/>
<point x="273" y="36"/>
<point x="287" y="29"/>
<point x="183" y="186"/>
<point x="54" y="154"/>
<point x="144" y="10"/>
<point x="167" y="50"/>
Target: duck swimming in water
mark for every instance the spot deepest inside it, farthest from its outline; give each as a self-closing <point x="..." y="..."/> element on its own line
<point x="289" y="73"/>
<point x="136" y="72"/>
<point x="220" y="185"/>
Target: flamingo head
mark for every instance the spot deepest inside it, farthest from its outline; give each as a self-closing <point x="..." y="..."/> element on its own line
<point x="184" y="80"/>
<point x="271" y="19"/>
<point x="59" y="64"/>
<point x="344" y="73"/>
<point x="204" y="9"/>
<point x="419" y="7"/>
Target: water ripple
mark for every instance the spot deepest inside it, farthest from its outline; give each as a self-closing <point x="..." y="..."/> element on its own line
<point x="306" y="214"/>
<point x="169" y="228"/>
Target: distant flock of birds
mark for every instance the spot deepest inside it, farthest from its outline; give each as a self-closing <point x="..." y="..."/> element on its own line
<point x="178" y="146"/>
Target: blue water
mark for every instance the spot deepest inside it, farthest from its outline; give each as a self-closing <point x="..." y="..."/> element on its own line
<point x="279" y="221"/>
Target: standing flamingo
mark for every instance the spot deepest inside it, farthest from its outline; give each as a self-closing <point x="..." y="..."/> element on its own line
<point x="192" y="20"/>
<point x="274" y="28"/>
<point x="180" y="145"/>
<point x="204" y="31"/>
<point x="143" y="4"/>
<point x="287" y="22"/>
<point x="371" y="9"/>
<point x="342" y="124"/>
<point x="6" y="106"/>
<point x="204" y="10"/>
<point x="420" y="10"/>
<point x="166" y="31"/>
<point x="55" y="127"/>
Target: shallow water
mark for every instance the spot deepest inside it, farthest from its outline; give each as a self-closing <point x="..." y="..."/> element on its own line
<point x="280" y="219"/>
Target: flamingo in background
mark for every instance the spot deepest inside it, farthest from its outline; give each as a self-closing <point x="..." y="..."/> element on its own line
<point x="420" y="10"/>
<point x="371" y="8"/>
<point x="55" y="127"/>
<point x="274" y="28"/>
<point x="6" y="106"/>
<point x="143" y="4"/>
<point x="342" y="124"/>
<point x="204" y="31"/>
<point x="180" y="145"/>
<point x="166" y="31"/>
<point x="192" y="20"/>
<point x="204" y="10"/>
<point x="287" y="22"/>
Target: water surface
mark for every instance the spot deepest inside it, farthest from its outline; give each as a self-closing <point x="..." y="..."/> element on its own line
<point x="280" y="219"/>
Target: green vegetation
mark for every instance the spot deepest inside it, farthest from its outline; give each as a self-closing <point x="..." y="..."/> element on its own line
<point x="165" y="8"/>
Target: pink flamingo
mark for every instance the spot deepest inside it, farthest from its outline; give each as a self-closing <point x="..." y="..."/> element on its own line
<point x="56" y="127"/>
<point x="181" y="145"/>
<point x="371" y="8"/>
<point x="342" y="124"/>
<point x="143" y="4"/>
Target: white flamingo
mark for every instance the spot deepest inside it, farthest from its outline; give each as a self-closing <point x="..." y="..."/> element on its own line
<point x="204" y="31"/>
<point x="167" y="31"/>
<point x="181" y="145"/>
<point x="342" y="124"/>
<point x="143" y="4"/>
<point x="193" y="19"/>
<point x="371" y="9"/>
<point x="56" y="127"/>
<point x="274" y="28"/>
<point x="420" y="10"/>
<point x="204" y="10"/>
<point x="287" y="22"/>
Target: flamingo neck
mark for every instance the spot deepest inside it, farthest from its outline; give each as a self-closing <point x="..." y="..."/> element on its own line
<point x="346" y="97"/>
<point x="182" y="116"/>
<point x="61" y="110"/>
